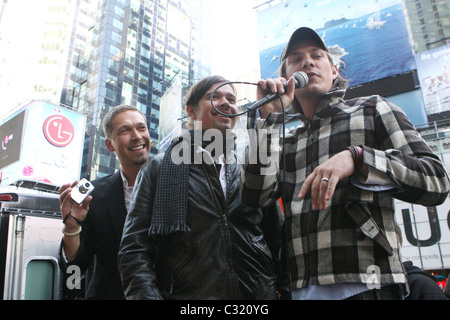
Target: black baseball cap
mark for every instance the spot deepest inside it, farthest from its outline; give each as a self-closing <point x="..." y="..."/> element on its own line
<point x="303" y="33"/>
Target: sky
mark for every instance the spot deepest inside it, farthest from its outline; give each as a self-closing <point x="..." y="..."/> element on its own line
<point x="14" y="48"/>
<point x="235" y="37"/>
<point x="234" y="44"/>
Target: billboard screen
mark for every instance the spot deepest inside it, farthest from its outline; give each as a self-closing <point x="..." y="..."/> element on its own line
<point x="52" y="145"/>
<point x="433" y="70"/>
<point x="11" y="136"/>
<point x="371" y="37"/>
<point x="425" y="234"/>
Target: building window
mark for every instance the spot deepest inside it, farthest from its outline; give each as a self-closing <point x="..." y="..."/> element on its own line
<point x="134" y="5"/>
<point x="117" y="24"/>
<point x="142" y="93"/>
<point x="127" y="93"/>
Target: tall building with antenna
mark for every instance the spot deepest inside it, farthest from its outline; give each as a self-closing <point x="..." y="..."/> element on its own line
<point x="130" y="52"/>
<point x="136" y="48"/>
<point x="91" y="55"/>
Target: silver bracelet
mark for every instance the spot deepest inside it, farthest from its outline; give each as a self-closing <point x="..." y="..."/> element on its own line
<point x="73" y="233"/>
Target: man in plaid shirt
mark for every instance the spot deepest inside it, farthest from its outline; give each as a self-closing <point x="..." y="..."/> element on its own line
<point x="338" y="173"/>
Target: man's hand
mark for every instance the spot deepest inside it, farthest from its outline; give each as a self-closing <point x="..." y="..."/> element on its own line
<point x="324" y="179"/>
<point x="68" y="206"/>
<point x="277" y="85"/>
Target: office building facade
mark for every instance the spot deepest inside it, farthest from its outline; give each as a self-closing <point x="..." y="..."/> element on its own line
<point x="429" y="23"/>
<point x="130" y="52"/>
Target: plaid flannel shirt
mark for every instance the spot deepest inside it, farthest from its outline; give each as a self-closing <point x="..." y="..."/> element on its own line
<point x="354" y="239"/>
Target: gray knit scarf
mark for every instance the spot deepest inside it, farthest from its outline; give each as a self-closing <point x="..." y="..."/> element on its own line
<point x="171" y="198"/>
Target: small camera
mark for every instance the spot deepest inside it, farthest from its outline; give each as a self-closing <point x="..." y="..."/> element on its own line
<point x="82" y="190"/>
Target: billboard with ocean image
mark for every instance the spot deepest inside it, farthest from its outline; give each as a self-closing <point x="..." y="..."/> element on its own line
<point x="371" y="37"/>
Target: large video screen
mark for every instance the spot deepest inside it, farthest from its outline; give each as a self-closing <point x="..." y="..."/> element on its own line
<point x="371" y="37"/>
<point x="433" y="68"/>
<point x="11" y="140"/>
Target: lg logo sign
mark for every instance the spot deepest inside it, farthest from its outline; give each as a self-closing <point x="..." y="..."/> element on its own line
<point x="58" y="130"/>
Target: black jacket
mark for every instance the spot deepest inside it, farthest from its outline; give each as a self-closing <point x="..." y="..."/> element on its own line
<point x="100" y="239"/>
<point x="422" y="285"/>
<point x="225" y="255"/>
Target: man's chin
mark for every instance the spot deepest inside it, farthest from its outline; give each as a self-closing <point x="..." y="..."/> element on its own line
<point x="141" y="161"/>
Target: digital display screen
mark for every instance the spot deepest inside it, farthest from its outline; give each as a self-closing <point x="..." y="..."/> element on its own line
<point x="11" y="140"/>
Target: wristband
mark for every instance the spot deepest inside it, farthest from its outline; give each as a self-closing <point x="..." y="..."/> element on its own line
<point x="67" y="234"/>
<point x="357" y="155"/>
<point x="360" y="157"/>
<point x="70" y="215"/>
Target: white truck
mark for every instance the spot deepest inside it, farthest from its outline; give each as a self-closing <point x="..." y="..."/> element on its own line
<point x="30" y="235"/>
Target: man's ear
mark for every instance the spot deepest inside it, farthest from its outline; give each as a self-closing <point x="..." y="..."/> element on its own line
<point x="335" y="71"/>
<point x="109" y="145"/>
<point x="191" y="112"/>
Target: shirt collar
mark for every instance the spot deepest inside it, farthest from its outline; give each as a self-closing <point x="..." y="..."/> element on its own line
<point x="125" y="181"/>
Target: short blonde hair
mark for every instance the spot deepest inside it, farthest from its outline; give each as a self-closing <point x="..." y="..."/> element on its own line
<point x="109" y="116"/>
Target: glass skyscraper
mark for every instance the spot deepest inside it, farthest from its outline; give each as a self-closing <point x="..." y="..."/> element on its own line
<point x="129" y="52"/>
<point x="429" y="23"/>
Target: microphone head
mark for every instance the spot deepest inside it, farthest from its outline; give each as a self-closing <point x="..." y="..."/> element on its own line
<point x="301" y="79"/>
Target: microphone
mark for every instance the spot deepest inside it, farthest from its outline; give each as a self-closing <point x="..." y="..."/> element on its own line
<point x="301" y="81"/>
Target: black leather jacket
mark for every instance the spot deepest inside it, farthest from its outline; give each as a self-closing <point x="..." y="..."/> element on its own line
<point x="225" y="255"/>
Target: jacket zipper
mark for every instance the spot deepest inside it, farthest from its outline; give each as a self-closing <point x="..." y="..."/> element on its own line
<point x="176" y="273"/>
<point x="308" y="240"/>
<point x="221" y="212"/>
<point x="224" y="221"/>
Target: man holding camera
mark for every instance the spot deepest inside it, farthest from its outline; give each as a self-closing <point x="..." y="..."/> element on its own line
<point x="94" y="227"/>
